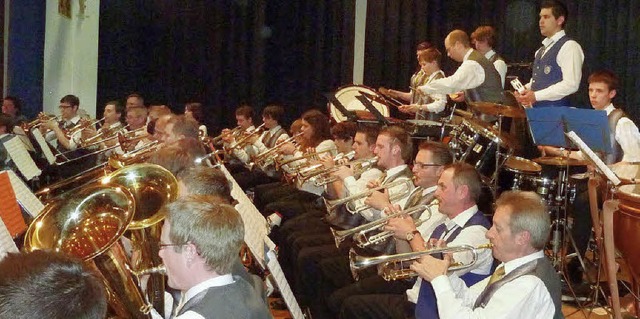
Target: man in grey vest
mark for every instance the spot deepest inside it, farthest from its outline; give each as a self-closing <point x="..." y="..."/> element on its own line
<point x="525" y="285"/>
<point x="476" y="76"/>
<point x="199" y="243"/>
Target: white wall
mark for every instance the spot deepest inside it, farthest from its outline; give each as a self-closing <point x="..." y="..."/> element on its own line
<point x="71" y="56"/>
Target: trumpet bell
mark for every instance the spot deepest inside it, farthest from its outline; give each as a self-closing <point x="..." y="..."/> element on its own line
<point x="151" y="185"/>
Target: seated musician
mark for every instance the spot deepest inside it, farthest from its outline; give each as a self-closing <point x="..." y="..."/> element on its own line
<point x="200" y="241"/>
<point x="458" y="191"/>
<point x="134" y="100"/>
<point x="428" y="106"/>
<point x="625" y="141"/>
<point x="113" y="116"/>
<point x="274" y="133"/>
<point x="316" y="140"/>
<point x="525" y="285"/>
<point x="180" y="128"/>
<point x="12" y="106"/>
<point x="195" y="111"/>
<point x="475" y="80"/>
<point x="136" y="119"/>
<point x="244" y="120"/>
<point x="6" y="129"/>
<point x="43" y="284"/>
<point x="160" y="127"/>
<point x="58" y="135"/>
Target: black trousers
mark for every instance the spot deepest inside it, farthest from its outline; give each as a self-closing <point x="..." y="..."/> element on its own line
<point x="369" y="286"/>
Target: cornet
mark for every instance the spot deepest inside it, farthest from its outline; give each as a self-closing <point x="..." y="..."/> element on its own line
<point x="363" y="239"/>
<point x="391" y="267"/>
<point x="308" y="174"/>
<point x="266" y="158"/>
<point x="333" y="204"/>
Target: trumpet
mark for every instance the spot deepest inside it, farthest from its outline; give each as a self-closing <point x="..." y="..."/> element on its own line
<point x="391" y="267"/>
<point x="358" y="166"/>
<point x="245" y="140"/>
<point x="41" y="118"/>
<point x="317" y="170"/>
<point x="333" y="204"/>
<point x="363" y="239"/>
<point x="234" y="132"/>
<point x="265" y="159"/>
<point x="295" y="169"/>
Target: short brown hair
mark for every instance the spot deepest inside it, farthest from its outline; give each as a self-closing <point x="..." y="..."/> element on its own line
<point x="430" y="55"/>
<point x="459" y="36"/>
<point x="440" y="152"/>
<point x="246" y="111"/>
<point x="605" y="76"/>
<point x="184" y="126"/>
<point x="402" y="138"/>
<point x="484" y="33"/>
<point x="465" y="174"/>
<point x="344" y="130"/>
<point x="205" y="180"/>
<point x="274" y="112"/>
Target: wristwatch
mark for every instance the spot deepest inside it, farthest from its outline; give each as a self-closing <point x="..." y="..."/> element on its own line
<point x="412" y="234"/>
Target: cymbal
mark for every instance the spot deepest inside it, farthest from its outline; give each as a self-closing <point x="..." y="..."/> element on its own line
<point x="559" y="161"/>
<point x="505" y="138"/>
<point x="498" y="109"/>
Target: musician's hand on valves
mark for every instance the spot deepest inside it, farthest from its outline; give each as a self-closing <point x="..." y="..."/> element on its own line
<point x="373" y="184"/>
<point x="378" y="200"/>
<point x="288" y="149"/>
<point x="343" y="172"/>
<point x="430" y="268"/>
<point x="401" y="226"/>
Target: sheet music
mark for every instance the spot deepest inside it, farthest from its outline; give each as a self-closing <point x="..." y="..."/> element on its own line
<point x="594" y="158"/>
<point x="6" y="242"/>
<point x="25" y="197"/>
<point x="44" y="146"/>
<point x="283" y="285"/>
<point x="17" y="130"/>
<point x="21" y="158"/>
<point x="255" y="225"/>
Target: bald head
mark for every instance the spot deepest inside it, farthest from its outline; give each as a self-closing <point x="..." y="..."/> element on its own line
<point x="457" y="44"/>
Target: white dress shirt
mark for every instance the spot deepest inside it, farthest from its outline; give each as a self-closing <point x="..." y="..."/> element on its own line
<point x="243" y="154"/>
<point x="371" y="214"/>
<point x="74" y="139"/>
<point x="309" y="185"/>
<point x="570" y="59"/>
<point x="354" y="186"/>
<point x="500" y="65"/>
<point x="439" y="99"/>
<point x="469" y="75"/>
<point x="526" y="297"/>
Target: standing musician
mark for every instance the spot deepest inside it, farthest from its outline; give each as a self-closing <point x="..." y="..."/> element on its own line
<point x="524" y="286"/>
<point x="393" y="299"/>
<point x="557" y="68"/>
<point x="483" y="39"/>
<point x="417" y="79"/>
<point x="274" y="134"/>
<point x="428" y="106"/>
<point x="476" y="76"/>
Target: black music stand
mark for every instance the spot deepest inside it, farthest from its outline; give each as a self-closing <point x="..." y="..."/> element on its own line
<point x="372" y="109"/>
<point x="350" y="115"/>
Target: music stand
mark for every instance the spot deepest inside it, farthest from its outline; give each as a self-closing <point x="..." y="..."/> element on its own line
<point x="372" y="109"/>
<point x="350" y="115"/>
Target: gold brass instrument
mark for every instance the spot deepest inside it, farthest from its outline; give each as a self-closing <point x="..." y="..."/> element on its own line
<point x="40" y="119"/>
<point x="136" y="156"/>
<point x="358" y="166"/>
<point x="104" y="134"/>
<point x="294" y="169"/>
<point x="152" y="186"/>
<point x="392" y="267"/>
<point x="362" y="239"/>
<point x="334" y="204"/>
<point x="236" y="131"/>
<point x="245" y="140"/>
<point x="80" y="126"/>
<point x="266" y="158"/>
<point x="306" y="175"/>
<point x="50" y="191"/>
<point x="88" y="224"/>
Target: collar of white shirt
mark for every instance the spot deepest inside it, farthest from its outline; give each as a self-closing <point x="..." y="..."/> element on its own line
<point x="395" y="170"/>
<point x="75" y="119"/>
<point x="466" y="56"/>
<point x="609" y="108"/>
<point x="554" y="38"/>
<point x="489" y="54"/>
<point x="513" y="264"/>
<point x="213" y="282"/>
<point x="429" y="190"/>
<point x="462" y="218"/>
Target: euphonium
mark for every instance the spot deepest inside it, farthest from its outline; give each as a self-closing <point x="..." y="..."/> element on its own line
<point x="152" y="186"/>
<point x="364" y="239"/>
<point x="88" y="224"/>
<point x="333" y="204"/>
<point x="391" y="267"/>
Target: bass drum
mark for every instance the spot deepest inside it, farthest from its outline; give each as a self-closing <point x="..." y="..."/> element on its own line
<point x="346" y="95"/>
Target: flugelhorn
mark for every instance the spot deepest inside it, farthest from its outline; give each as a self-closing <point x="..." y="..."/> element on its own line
<point x="364" y="239"/>
<point x="391" y="267"/>
<point x="333" y="204"/>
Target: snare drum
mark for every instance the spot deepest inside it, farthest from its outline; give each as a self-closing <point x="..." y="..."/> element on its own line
<point x="543" y="186"/>
<point x="515" y="169"/>
<point x="476" y="145"/>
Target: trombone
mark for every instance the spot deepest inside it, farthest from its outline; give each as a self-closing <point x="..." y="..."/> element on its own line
<point x="391" y="267"/>
<point x="333" y="204"/>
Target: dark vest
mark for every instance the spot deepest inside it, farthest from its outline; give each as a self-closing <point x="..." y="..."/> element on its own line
<point x="491" y="89"/>
<point x="426" y="99"/>
<point x="617" y="153"/>
<point x="495" y="58"/>
<point x="547" y="72"/>
<point x="541" y="268"/>
<point x="271" y="142"/>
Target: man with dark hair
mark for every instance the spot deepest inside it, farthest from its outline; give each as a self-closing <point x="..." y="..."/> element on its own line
<point x="484" y="39"/>
<point x="43" y="284"/>
<point x="199" y="243"/>
<point x="476" y="76"/>
<point x="134" y="100"/>
<point x="524" y="286"/>
<point x="179" y="128"/>
<point x="343" y="134"/>
<point x="12" y="106"/>
<point x="557" y="68"/>
<point x="417" y="79"/>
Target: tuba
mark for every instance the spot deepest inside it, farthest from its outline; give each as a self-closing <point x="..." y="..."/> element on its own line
<point x="88" y="224"/>
<point x="152" y="186"/>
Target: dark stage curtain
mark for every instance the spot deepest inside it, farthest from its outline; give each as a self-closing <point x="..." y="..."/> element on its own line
<point x="226" y="52"/>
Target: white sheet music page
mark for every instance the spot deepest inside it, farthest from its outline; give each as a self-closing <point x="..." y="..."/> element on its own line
<point x="586" y="150"/>
<point x="17" y="130"/>
<point x="255" y="225"/>
<point x="6" y="242"/>
<point x="21" y="158"/>
<point x="44" y="146"/>
<point x="25" y="197"/>
<point x="283" y="285"/>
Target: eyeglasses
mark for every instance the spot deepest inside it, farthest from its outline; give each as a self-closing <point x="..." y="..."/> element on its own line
<point x="424" y="165"/>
